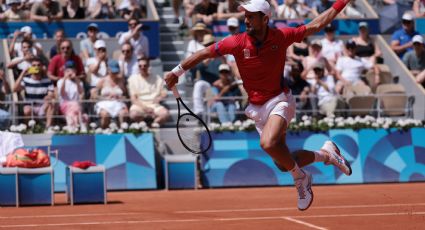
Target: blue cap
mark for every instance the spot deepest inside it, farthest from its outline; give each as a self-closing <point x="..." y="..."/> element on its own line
<point x="114" y="66"/>
<point x="93" y="25"/>
<point x="70" y="64"/>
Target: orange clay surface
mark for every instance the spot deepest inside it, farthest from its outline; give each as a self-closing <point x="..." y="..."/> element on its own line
<point x="379" y="206"/>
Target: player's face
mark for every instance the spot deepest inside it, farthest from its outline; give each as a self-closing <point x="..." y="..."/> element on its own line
<point x="255" y="23"/>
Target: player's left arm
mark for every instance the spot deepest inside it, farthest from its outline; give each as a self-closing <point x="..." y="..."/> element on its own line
<point x="325" y="18"/>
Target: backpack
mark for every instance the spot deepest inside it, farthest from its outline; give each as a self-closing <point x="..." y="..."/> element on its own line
<point x="24" y="158"/>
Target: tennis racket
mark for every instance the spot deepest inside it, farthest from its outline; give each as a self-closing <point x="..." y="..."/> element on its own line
<point x="190" y="129"/>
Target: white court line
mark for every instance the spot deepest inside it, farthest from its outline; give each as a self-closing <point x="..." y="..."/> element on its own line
<point x="293" y="208"/>
<point x="210" y="219"/>
<point x="304" y="223"/>
<point x="71" y="215"/>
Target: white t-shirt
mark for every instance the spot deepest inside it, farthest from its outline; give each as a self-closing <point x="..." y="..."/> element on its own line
<point x="101" y="73"/>
<point x="130" y="67"/>
<point x="18" y="49"/>
<point x="140" y="46"/>
<point x="324" y="95"/>
<point x="331" y="50"/>
<point x="23" y="65"/>
<point x="71" y="90"/>
<point x="193" y="47"/>
<point x="352" y="68"/>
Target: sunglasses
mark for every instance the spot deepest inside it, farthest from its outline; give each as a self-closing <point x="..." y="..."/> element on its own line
<point x="406" y="22"/>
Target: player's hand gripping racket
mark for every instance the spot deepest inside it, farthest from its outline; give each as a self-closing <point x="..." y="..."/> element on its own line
<point x="190" y="127"/>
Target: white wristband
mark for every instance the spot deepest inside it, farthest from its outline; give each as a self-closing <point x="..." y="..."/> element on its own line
<point x="178" y="70"/>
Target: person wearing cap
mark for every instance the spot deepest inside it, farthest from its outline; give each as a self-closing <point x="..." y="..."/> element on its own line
<point x="25" y="33"/>
<point x="419" y="8"/>
<point x="146" y="91"/>
<point x="70" y="92"/>
<point x="332" y="48"/>
<point x="401" y="40"/>
<point x="38" y="90"/>
<point x="110" y="91"/>
<point x="225" y="86"/>
<point x="14" y="13"/>
<point x="198" y="31"/>
<point x="87" y="44"/>
<point x="260" y="55"/>
<point x="324" y="89"/>
<point x="136" y="38"/>
<point x="367" y="47"/>
<point x="128" y="61"/>
<point x="349" y="68"/>
<point x="72" y="10"/>
<point x="233" y="25"/>
<point x="415" y="59"/>
<point x="59" y="37"/>
<point x="56" y="67"/>
<point x="46" y="11"/>
<point x="205" y="11"/>
<point x="97" y="65"/>
<point x="229" y="9"/>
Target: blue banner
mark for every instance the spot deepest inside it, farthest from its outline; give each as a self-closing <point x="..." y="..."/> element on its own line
<point x="78" y="29"/>
<point x="380" y="155"/>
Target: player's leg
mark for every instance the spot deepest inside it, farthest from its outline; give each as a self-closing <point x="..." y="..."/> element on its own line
<point x="273" y="141"/>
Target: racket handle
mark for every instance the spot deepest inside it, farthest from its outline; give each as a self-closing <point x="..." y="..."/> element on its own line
<point x="175" y="92"/>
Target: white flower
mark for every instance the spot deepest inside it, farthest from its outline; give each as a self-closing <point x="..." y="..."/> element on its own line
<point x="339" y="119"/>
<point x="57" y="128"/>
<point x="107" y="131"/>
<point x="143" y="125"/>
<point x="124" y="125"/>
<point x="120" y="131"/>
<point x="93" y="125"/>
<point x="375" y="125"/>
<point x="13" y="128"/>
<point x="340" y="124"/>
<point x="98" y="130"/>
<point x="21" y="127"/>
<point x="386" y="126"/>
<point x="83" y="129"/>
<point x="31" y="123"/>
<point x="305" y="118"/>
<point x="134" y="126"/>
<point x="113" y="126"/>
<point x="50" y="130"/>
<point x="237" y="123"/>
<point x="307" y="122"/>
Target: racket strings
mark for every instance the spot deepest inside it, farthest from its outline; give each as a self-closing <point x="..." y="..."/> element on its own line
<point x="190" y="130"/>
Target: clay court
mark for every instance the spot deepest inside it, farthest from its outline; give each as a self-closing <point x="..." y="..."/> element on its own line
<point x="382" y="206"/>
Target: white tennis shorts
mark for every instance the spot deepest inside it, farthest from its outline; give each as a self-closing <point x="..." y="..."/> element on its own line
<point x="282" y="105"/>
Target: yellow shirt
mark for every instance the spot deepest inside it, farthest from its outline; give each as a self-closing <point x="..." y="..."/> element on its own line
<point x="146" y="89"/>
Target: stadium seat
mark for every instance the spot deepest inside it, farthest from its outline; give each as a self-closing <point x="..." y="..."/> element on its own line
<point x="393" y="100"/>
<point x="360" y="105"/>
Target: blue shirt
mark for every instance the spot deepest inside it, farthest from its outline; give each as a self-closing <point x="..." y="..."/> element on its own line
<point x="320" y="7"/>
<point x="403" y="38"/>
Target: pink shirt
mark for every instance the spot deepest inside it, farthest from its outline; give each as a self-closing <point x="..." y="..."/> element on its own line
<point x="261" y="64"/>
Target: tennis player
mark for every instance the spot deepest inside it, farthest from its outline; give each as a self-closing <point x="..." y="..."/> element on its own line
<point x="260" y="56"/>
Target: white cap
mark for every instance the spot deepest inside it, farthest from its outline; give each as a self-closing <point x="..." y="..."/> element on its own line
<point x="8" y="2"/>
<point x="407" y="16"/>
<point x="99" y="44"/>
<point x="26" y="29"/>
<point x="233" y="22"/>
<point x="418" y="38"/>
<point x="256" y="6"/>
<point x="225" y="67"/>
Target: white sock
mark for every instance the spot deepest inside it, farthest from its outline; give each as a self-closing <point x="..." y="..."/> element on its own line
<point x="320" y="156"/>
<point x="297" y="172"/>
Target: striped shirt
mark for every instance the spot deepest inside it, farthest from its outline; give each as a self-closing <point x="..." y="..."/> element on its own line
<point x="36" y="89"/>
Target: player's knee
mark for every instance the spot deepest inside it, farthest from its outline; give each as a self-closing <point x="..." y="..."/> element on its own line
<point x="268" y="144"/>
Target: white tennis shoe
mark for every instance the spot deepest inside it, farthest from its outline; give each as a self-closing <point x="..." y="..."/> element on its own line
<point x="335" y="157"/>
<point x="305" y="194"/>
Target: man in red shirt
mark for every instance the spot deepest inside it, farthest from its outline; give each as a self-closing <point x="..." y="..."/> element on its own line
<point x="56" y="66"/>
<point x="260" y="56"/>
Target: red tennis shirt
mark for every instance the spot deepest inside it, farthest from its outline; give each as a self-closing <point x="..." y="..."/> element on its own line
<point x="260" y="64"/>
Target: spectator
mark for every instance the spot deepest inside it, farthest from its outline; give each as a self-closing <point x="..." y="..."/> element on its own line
<point x="132" y="9"/>
<point x="87" y="44"/>
<point x="59" y="37"/>
<point x="415" y="59"/>
<point x="419" y="8"/>
<point x="225" y="86"/>
<point x="22" y="63"/>
<point x="111" y="91"/>
<point x="146" y="92"/>
<point x="350" y="68"/>
<point x="366" y="47"/>
<point x="229" y="9"/>
<point x="351" y="11"/>
<point x="15" y="13"/>
<point x="15" y="49"/>
<point x="136" y="38"/>
<point x="205" y="11"/>
<point x="401" y="40"/>
<point x="97" y="65"/>
<point x="100" y="9"/>
<point x="297" y="51"/>
<point x="315" y="55"/>
<point x="299" y="87"/>
<point x="71" y="91"/>
<point x="73" y="10"/>
<point x="319" y="6"/>
<point x="176" y="10"/>
<point x="46" y="11"/>
<point x="324" y="89"/>
<point x="233" y="25"/>
<point x="189" y="6"/>
<point x="332" y="48"/>
<point x="57" y="63"/>
<point x="39" y="91"/>
<point x="4" y="89"/>
<point x="289" y="10"/>
<point x="195" y="44"/>
<point x="208" y="70"/>
<point x="128" y="61"/>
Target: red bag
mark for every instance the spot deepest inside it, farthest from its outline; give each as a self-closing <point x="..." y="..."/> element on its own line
<point x="23" y="158"/>
<point x="83" y="164"/>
